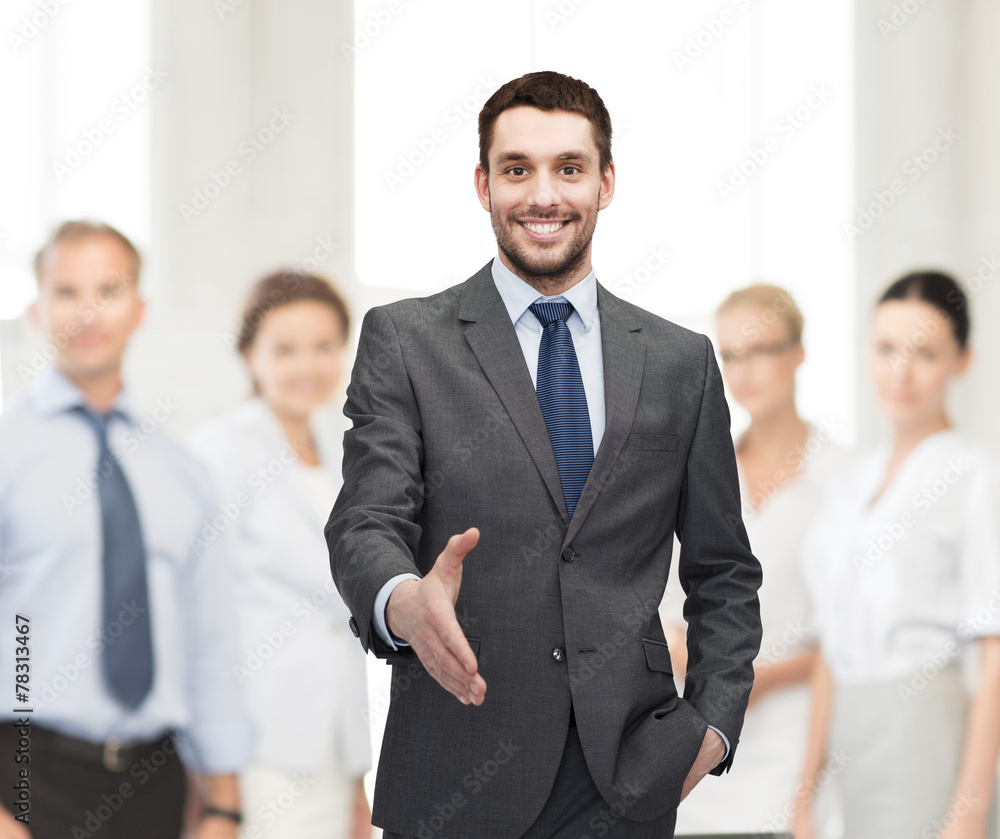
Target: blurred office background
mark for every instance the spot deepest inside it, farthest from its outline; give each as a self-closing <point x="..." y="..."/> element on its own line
<point x="230" y="137"/>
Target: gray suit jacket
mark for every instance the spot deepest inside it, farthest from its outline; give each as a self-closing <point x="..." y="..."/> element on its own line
<point x="448" y="434"/>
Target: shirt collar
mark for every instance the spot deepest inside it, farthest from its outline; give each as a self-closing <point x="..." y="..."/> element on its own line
<point x="517" y="295"/>
<point x="53" y="393"/>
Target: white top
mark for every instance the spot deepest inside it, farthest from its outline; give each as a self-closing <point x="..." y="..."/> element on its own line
<point x="775" y="730"/>
<point x="323" y="489"/>
<point x="776" y="531"/>
<point x="302" y="671"/>
<point x="903" y="583"/>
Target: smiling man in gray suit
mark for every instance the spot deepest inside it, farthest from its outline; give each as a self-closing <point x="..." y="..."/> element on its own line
<point x="524" y="447"/>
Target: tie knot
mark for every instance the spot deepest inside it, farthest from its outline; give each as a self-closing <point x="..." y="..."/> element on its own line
<point x="551" y="311"/>
<point x="99" y="422"/>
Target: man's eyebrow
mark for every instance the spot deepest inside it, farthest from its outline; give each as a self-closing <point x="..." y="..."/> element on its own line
<point x="511" y="157"/>
<point x="575" y="155"/>
<point x="520" y="157"/>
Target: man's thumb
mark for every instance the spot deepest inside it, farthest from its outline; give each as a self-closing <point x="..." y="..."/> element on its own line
<point x="456" y="549"/>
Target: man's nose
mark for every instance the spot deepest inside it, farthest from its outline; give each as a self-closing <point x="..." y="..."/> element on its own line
<point x="544" y="190"/>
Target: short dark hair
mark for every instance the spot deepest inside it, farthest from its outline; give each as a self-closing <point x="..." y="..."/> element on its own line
<point x="281" y="288"/>
<point x="70" y="231"/>
<point x="939" y="290"/>
<point x="549" y="91"/>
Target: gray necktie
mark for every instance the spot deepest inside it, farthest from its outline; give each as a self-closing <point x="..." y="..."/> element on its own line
<point x="127" y="660"/>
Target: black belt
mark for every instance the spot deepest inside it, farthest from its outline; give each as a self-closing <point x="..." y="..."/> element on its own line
<point x="113" y="754"/>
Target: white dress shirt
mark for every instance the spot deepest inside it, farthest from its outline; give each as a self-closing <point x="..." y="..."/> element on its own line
<point x="901" y="584"/>
<point x="50" y="541"/>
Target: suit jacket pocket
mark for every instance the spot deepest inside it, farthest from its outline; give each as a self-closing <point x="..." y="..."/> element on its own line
<point x="657" y="655"/>
<point x="654" y="442"/>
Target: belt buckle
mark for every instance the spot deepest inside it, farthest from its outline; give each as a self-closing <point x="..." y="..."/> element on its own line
<point x="113" y="759"/>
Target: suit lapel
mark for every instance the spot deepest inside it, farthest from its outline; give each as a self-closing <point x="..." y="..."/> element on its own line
<point x="624" y="356"/>
<point x="494" y="342"/>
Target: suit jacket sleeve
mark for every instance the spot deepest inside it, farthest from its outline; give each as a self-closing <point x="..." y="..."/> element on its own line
<point x="719" y="574"/>
<point x="373" y="531"/>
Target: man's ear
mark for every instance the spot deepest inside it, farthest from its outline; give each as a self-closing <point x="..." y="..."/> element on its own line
<point x="31" y="314"/>
<point x="607" y="186"/>
<point x="482" y="179"/>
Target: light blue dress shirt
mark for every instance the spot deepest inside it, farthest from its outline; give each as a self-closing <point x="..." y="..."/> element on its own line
<point x="585" y="326"/>
<point x="50" y="546"/>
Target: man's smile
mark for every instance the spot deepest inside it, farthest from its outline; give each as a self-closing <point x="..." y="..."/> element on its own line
<point x="544" y="231"/>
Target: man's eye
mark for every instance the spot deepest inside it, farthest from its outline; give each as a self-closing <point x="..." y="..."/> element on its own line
<point x="569" y="170"/>
<point x="517" y="171"/>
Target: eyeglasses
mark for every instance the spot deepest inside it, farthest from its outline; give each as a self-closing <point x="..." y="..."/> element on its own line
<point x="757" y="351"/>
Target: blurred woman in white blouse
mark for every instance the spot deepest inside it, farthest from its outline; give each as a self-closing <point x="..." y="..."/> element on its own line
<point x="782" y="461"/>
<point x="903" y="565"/>
<point x="278" y="469"/>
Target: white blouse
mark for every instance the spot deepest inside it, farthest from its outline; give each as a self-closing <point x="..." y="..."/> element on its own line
<point x="776" y="529"/>
<point x="902" y="584"/>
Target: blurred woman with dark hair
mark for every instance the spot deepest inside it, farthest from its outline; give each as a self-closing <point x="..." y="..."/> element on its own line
<point x="278" y="470"/>
<point x="903" y="568"/>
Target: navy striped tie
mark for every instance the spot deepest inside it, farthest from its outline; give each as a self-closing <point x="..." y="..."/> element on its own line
<point x="563" y="400"/>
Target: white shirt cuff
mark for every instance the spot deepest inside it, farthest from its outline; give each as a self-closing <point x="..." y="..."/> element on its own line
<point x="381" y="601"/>
<point x="724" y="740"/>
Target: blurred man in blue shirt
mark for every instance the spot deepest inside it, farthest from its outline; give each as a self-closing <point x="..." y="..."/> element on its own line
<point x="119" y="633"/>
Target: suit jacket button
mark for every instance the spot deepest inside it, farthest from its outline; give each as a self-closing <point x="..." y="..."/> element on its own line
<point x="559" y="654"/>
<point x="354" y="627"/>
<point x="568" y="554"/>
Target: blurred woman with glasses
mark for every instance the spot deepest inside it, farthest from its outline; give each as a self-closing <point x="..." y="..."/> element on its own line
<point x="782" y="461"/>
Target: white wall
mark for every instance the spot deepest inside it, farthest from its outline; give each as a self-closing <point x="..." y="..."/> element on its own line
<point x="919" y="74"/>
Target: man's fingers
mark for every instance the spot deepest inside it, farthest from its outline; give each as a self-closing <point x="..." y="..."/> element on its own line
<point x="458" y="645"/>
<point x="450" y="559"/>
<point x="451" y="671"/>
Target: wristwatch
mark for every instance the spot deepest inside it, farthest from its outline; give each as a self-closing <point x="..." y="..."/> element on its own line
<point x="233" y="815"/>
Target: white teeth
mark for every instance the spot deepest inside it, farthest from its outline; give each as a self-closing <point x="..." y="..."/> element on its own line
<point x="543" y="228"/>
